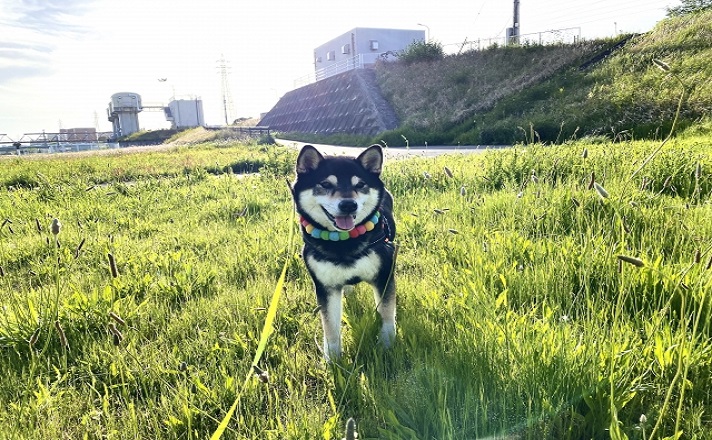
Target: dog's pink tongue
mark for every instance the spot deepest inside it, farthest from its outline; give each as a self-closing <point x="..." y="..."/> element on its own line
<point x="344" y="222"/>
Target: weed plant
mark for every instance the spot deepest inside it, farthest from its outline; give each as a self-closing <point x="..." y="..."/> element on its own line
<point x="543" y="293"/>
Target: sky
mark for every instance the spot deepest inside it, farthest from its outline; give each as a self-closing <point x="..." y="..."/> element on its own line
<point x="61" y="60"/>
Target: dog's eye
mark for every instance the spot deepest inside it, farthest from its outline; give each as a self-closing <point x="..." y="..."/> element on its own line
<point x="360" y="185"/>
<point x="326" y="185"/>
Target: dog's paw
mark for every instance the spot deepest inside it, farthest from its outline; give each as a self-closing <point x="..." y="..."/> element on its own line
<point x="332" y="352"/>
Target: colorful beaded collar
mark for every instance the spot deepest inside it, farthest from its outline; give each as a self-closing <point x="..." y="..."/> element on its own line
<point x="358" y="231"/>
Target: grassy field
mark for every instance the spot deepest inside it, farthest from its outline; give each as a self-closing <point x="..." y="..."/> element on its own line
<point x="532" y="303"/>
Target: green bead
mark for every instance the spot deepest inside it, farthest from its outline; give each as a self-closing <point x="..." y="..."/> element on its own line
<point x="343" y="235"/>
<point x="324" y="235"/>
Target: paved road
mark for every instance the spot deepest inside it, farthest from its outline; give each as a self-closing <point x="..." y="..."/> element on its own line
<point x="398" y="152"/>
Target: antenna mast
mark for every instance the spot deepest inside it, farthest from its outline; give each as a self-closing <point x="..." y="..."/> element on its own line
<point x="224" y="68"/>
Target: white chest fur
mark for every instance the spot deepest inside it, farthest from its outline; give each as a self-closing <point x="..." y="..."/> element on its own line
<point x="337" y="275"/>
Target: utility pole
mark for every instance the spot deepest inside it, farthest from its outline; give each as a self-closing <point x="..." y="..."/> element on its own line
<point x="514" y="39"/>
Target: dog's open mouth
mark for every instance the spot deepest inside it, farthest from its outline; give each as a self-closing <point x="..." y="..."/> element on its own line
<point x="343" y="222"/>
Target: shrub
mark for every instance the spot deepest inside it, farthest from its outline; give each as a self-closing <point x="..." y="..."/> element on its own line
<point x="422" y="51"/>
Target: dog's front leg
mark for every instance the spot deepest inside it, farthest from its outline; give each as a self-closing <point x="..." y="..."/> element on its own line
<point x="330" y="302"/>
<point x="384" y="292"/>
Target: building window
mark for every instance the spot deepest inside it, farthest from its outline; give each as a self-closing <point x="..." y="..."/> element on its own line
<point x="374" y="44"/>
<point x="318" y="59"/>
<point x="346" y="49"/>
<point x="331" y="55"/>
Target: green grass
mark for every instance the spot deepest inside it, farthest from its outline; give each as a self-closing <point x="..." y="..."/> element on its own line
<point x="495" y="95"/>
<point x="516" y="317"/>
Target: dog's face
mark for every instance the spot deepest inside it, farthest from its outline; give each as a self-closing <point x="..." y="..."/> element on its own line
<point x="338" y="193"/>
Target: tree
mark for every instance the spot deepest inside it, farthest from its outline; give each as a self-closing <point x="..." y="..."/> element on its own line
<point x="688" y="7"/>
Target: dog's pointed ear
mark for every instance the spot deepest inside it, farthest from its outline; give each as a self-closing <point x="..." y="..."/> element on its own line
<point x="372" y="159"/>
<point x="308" y="159"/>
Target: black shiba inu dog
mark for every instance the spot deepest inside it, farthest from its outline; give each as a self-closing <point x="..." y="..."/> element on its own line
<point x="348" y="230"/>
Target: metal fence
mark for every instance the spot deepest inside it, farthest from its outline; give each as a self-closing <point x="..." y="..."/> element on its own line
<point x="554" y="36"/>
<point x="345" y="65"/>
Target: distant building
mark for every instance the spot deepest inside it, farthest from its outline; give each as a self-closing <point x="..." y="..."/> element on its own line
<point x="360" y="47"/>
<point x="124" y="108"/>
<point x="78" y="134"/>
<point x="185" y="113"/>
<point x="123" y="113"/>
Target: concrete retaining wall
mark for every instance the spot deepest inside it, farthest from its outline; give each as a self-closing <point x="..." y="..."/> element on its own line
<point x="350" y="102"/>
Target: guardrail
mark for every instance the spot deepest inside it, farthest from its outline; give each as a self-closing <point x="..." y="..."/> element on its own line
<point x="260" y="130"/>
<point x="345" y="65"/>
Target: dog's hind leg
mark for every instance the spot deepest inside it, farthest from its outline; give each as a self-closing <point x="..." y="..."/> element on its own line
<point x="330" y="311"/>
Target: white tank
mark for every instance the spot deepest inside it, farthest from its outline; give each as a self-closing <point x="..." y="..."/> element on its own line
<point x="126" y="100"/>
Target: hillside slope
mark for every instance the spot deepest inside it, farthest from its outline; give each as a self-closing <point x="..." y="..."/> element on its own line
<point x="507" y="95"/>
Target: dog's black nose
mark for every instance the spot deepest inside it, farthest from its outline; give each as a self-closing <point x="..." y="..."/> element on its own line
<point x="348" y="206"/>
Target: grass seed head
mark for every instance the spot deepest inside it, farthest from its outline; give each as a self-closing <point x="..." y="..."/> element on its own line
<point x="662" y="65"/>
<point x="79" y="248"/>
<point x="463" y="191"/>
<point x="34" y="337"/>
<point x="37" y="224"/>
<point x="698" y="256"/>
<point x="698" y="171"/>
<point x="62" y="335"/>
<point x="448" y="172"/>
<point x="624" y="222"/>
<point x="117" y="318"/>
<point x="55" y="227"/>
<point x="637" y="262"/>
<point x="350" y="433"/>
<point x="117" y="335"/>
<point x="2" y="272"/>
<point x="453" y="231"/>
<point x="592" y="180"/>
<point x="585" y="153"/>
<point x="112" y="266"/>
<point x="600" y="190"/>
<point x="644" y="184"/>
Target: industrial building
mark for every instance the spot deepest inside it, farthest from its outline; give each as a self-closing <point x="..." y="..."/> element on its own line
<point x="185" y="113"/>
<point x="360" y="47"/>
<point x="124" y="108"/>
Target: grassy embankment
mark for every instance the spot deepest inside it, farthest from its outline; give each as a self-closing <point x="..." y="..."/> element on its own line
<point x="494" y="96"/>
<point x="516" y="315"/>
<point x="504" y="95"/>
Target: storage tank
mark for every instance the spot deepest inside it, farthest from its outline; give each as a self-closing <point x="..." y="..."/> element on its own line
<point x="123" y="113"/>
